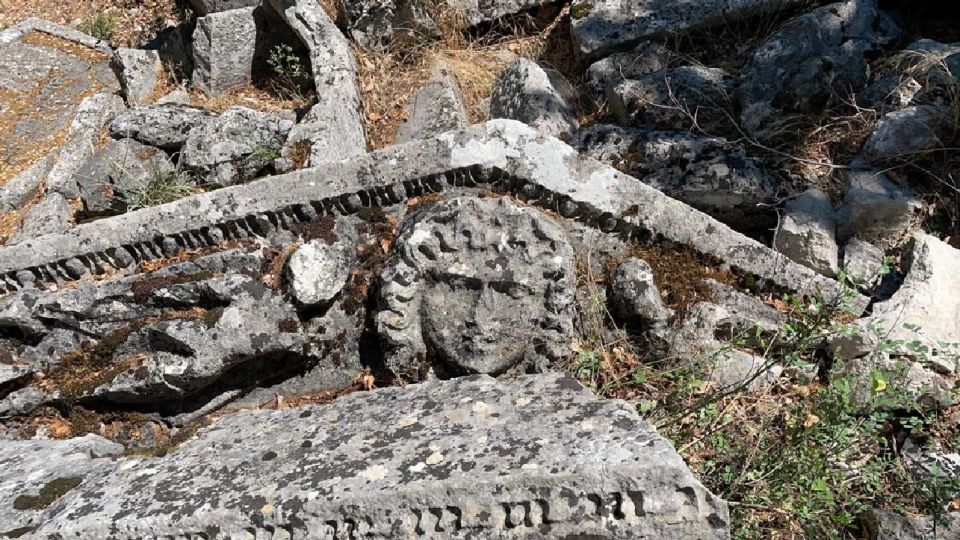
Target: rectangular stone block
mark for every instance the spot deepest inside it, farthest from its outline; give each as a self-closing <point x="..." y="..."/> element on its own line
<point x="224" y="49"/>
<point x="533" y="457"/>
<point x="205" y="7"/>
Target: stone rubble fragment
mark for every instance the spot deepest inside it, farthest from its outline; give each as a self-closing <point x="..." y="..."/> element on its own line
<point x="676" y="98"/>
<point x="25" y="185"/>
<point x="876" y="209"/>
<point x="438" y="107"/>
<point x="165" y="126"/>
<point x="224" y="47"/>
<point x="527" y="92"/>
<point x="863" y="261"/>
<point x="808" y="233"/>
<point x="645" y="59"/>
<point x="138" y="71"/>
<point x="885" y="525"/>
<point x="634" y="294"/>
<point x="317" y="272"/>
<point x="51" y="215"/>
<point x="909" y="132"/>
<point x="458" y="459"/>
<point x="115" y="173"/>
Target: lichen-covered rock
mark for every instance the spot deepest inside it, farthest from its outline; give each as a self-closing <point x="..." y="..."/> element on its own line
<point x="634" y="294"/>
<point x="808" y="232"/>
<point x="527" y="92"/>
<point x="224" y="47"/>
<point x="51" y="215"/>
<point x="863" y="261"/>
<point x="645" y="59"/>
<point x="876" y="209"/>
<point x="116" y="172"/>
<point x="138" y="71"/>
<point x="484" y="284"/>
<point x="534" y="457"/>
<point x="437" y="107"/>
<point x="908" y="133"/>
<point x="205" y="7"/>
<point x="236" y="146"/>
<point x="25" y="185"/>
<point x="810" y="60"/>
<point x="675" y="98"/>
<point x="164" y="126"/>
<point x="317" y="271"/>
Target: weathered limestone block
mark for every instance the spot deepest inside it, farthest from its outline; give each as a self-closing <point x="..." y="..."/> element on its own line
<point x="485" y="284"/>
<point x="236" y="146"/>
<point x="437" y="107"/>
<point x="333" y="125"/>
<point x="535" y="96"/>
<point x="909" y="132"/>
<point x="164" y="126"/>
<point x="885" y="525"/>
<point x="675" y="98"/>
<point x="634" y="294"/>
<point x="138" y="71"/>
<point x="51" y="215"/>
<point x="317" y="271"/>
<point x="206" y="7"/>
<point x="645" y="59"/>
<point x="224" y="47"/>
<point x="534" y="457"/>
<point x="117" y="171"/>
<point x="808" y="233"/>
<point x="876" y="209"/>
<point x="600" y="27"/>
<point x="35" y="474"/>
<point x="22" y="187"/>
<point x="862" y="260"/>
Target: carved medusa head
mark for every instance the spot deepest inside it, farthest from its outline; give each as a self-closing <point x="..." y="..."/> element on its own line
<point x="477" y="286"/>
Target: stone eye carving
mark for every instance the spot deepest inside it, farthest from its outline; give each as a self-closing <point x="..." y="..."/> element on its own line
<point x="477" y="286"/>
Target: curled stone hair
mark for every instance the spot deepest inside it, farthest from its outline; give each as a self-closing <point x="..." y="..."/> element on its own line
<point x="477" y="286"/>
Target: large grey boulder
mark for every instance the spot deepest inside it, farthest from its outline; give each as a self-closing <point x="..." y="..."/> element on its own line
<point x="485" y="284"/>
<point x="645" y="59"/>
<point x="599" y="27"/>
<point x="224" y="47"/>
<point x="810" y="60"/>
<point x="36" y="474"/>
<point x="876" y="209"/>
<point x="535" y="457"/>
<point x="333" y="126"/>
<point x="114" y="173"/>
<point x="676" y="98"/>
<point x="205" y="7"/>
<point x="634" y="294"/>
<point x="165" y="126"/>
<point x="527" y="92"/>
<point x="710" y="174"/>
<point x="808" y="232"/>
<point x="236" y="146"/>
<point x="138" y="71"/>
<point x="909" y="132"/>
<point x="436" y="108"/>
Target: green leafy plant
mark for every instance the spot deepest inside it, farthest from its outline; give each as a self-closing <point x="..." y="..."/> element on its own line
<point x="292" y="78"/>
<point x="102" y="26"/>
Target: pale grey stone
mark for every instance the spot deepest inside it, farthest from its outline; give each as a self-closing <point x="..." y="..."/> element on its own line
<point x="882" y="524"/>
<point x="51" y="215"/>
<point x="908" y="133"/>
<point x="599" y="27"/>
<point x="205" y="7"/>
<point x="138" y="71"/>
<point x="164" y="126"/>
<point x="317" y="272"/>
<point x="876" y="209"/>
<point x="177" y="97"/>
<point x="862" y="260"/>
<point x="747" y="312"/>
<point x="808" y="232"/>
<point x="436" y="108"/>
<point x="527" y="92"/>
<point x="645" y="59"/>
<point x="486" y="284"/>
<point x="674" y="98"/>
<point x="224" y="47"/>
<point x="114" y="173"/>
<point x="236" y="146"/>
<point x="735" y="369"/>
<point x="634" y="294"/>
<point x="19" y="189"/>
<point x="534" y="457"/>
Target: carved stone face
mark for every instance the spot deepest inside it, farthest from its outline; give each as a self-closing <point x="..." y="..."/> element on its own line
<point x="477" y="286"/>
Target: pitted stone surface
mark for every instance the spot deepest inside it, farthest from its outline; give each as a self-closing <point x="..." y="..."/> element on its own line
<point x="674" y="98"/>
<point x="164" y="126"/>
<point x="483" y="284"/>
<point x="224" y="46"/>
<point x="534" y="457"/>
<point x="527" y="92"/>
<point x="317" y="271"/>
<point x="808" y="232"/>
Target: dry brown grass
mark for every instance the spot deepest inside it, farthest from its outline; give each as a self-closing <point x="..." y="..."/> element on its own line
<point x="252" y="96"/>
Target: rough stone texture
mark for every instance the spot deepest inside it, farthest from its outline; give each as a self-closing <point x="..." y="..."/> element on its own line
<point x="224" y="47"/>
<point x="177" y="97"/>
<point x="808" y="233"/>
<point x="205" y="7"/>
<point x="876" y="209"/>
<point x="901" y="134"/>
<point x="484" y="284"/>
<point x="236" y="146"/>
<point x="710" y="174"/>
<point x="862" y="260"/>
<point x="51" y="215"/>
<point x="810" y="60"/>
<point x="437" y="107"/>
<point x="504" y="154"/>
<point x="891" y="93"/>
<point x="675" y="98"/>
<point x="885" y="525"/>
<point x="634" y="294"/>
<point x="468" y="458"/>
<point x="333" y="125"/>
<point x="137" y="70"/>
<point x="35" y="474"/>
<point x="115" y="172"/>
<point x="740" y="369"/>
<point x="22" y="187"/>
<point x="317" y="272"/>
<point x="164" y="126"/>
<point x="599" y="27"/>
<point x="746" y="312"/>
<point x="527" y="92"/>
<point x="645" y="59"/>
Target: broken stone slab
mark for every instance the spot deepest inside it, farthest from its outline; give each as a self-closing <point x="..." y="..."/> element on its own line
<point x="527" y="92"/>
<point x="863" y="262"/>
<point x="634" y="294"/>
<point x="816" y="57"/>
<point x="436" y="108"/>
<point x="236" y="146"/>
<point x="876" y="209"/>
<point x="165" y="126"/>
<point x="645" y="59"/>
<point x="909" y="132"/>
<point x="533" y="457"/>
<point x="675" y="98"/>
<point x="138" y="71"/>
<point x="891" y="93"/>
<point x="503" y="154"/>
<point x="747" y="312"/>
<point x="600" y="27"/>
<point x="21" y="188"/>
<point x="206" y="7"/>
<point x="111" y="177"/>
<point x="224" y="47"/>
<point x="178" y="97"/>
<point x="51" y="215"/>
<point x="333" y="126"/>
<point x="36" y="474"/>
<point x="808" y="233"/>
<point x="882" y="524"/>
<point x="711" y="174"/>
<point x="18" y="31"/>
<point x="317" y="272"/>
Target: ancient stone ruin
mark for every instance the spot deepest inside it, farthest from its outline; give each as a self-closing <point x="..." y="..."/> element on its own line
<point x="225" y="316"/>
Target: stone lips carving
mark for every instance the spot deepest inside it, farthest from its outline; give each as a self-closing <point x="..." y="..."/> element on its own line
<point x="507" y="154"/>
<point x="532" y="457"/>
<point x="479" y="283"/>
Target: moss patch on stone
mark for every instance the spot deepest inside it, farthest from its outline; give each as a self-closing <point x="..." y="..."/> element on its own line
<point x="48" y="494"/>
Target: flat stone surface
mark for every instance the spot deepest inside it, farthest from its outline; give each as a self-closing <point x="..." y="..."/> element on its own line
<point x="808" y="232"/>
<point x="437" y="107"/>
<point x="534" y="457"/>
<point x="138" y="71"/>
<point x="224" y="47"/>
